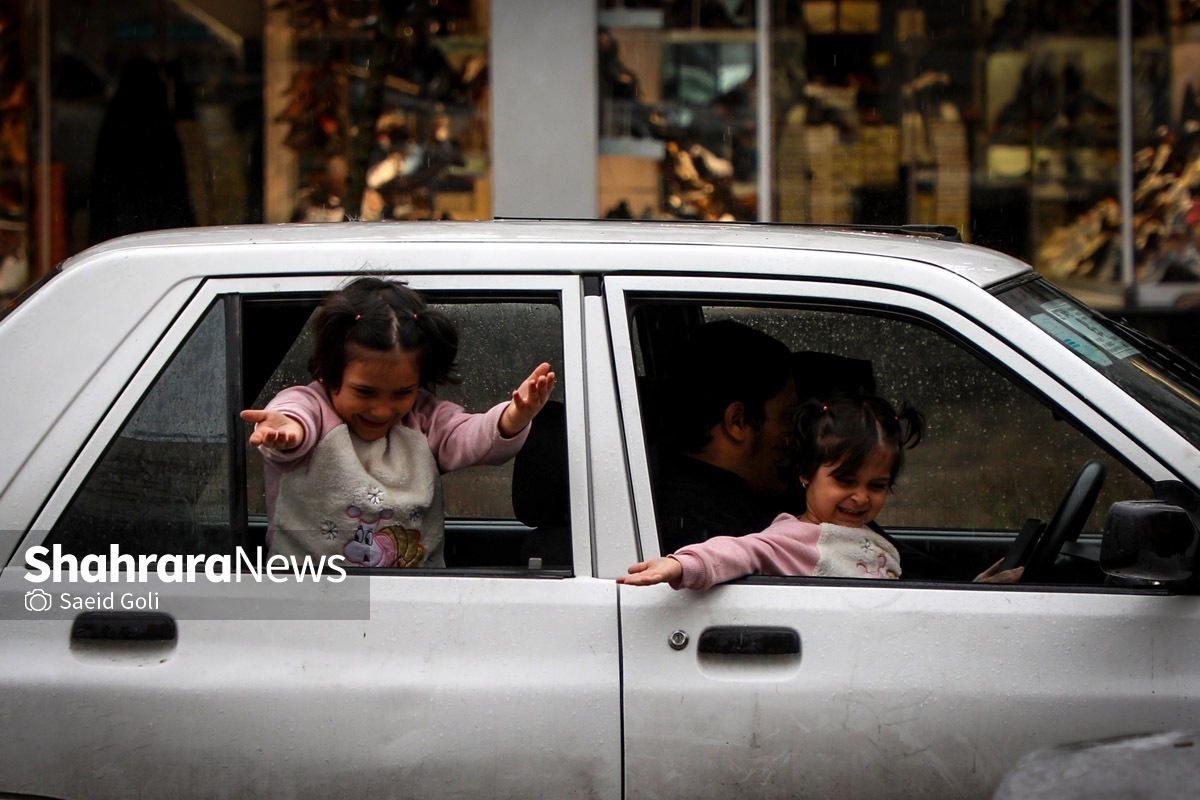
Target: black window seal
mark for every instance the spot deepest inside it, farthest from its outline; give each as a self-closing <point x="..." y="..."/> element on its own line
<point x="234" y="403"/>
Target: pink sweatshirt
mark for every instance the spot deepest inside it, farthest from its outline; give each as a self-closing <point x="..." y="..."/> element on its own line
<point x="377" y="503"/>
<point x="457" y="439"/>
<point x="790" y="546"/>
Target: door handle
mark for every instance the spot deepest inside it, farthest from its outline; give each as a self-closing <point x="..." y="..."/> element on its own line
<point x="750" y="640"/>
<point x="118" y="627"/>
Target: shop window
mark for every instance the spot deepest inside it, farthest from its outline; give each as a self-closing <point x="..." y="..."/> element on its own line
<point x="1000" y="118"/>
<point x="377" y="111"/>
<point x="155" y="119"/>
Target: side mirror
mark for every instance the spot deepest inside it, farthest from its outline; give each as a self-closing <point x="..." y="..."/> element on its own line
<point x="1150" y="540"/>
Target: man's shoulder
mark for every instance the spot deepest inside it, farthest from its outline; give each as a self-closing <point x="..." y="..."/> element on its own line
<point x="685" y="473"/>
<point x="695" y="501"/>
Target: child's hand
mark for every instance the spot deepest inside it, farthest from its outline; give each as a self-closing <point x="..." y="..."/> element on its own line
<point x="527" y="401"/>
<point x="658" y="570"/>
<point x="274" y="430"/>
<point x="990" y="575"/>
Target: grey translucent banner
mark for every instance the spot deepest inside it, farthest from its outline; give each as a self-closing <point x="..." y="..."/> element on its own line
<point x="44" y="582"/>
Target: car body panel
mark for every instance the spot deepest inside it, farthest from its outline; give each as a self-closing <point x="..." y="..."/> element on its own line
<point x="896" y="691"/>
<point x="310" y="707"/>
<point x="870" y="685"/>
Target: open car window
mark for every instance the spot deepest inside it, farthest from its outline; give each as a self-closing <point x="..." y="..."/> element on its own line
<point x="994" y="454"/>
<point x="180" y="477"/>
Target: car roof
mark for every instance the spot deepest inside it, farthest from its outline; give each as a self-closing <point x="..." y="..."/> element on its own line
<point x="979" y="265"/>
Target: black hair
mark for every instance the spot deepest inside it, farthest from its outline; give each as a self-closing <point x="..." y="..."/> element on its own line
<point x="846" y="429"/>
<point x="382" y="315"/>
<point x="721" y="363"/>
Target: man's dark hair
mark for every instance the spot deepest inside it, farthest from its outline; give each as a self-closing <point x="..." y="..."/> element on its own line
<point x="718" y="364"/>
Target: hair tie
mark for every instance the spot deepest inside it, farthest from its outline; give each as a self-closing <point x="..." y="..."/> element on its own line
<point x="357" y="317"/>
<point x="415" y="317"/>
<point x="824" y="409"/>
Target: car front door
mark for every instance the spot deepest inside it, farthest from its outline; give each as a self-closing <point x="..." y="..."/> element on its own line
<point x="931" y="686"/>
<point x="494" y="677"/>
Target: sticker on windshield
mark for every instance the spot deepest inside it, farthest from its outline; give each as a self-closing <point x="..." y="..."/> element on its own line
<point x="1071" y="339"/>
<point x="1083" y="325"/>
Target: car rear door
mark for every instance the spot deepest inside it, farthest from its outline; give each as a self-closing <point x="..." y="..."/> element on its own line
<point x="812" y="687"/>
<point x="498" y="680"/>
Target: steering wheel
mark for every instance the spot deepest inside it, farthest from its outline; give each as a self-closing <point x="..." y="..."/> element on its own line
<point x="1066" y="524"/>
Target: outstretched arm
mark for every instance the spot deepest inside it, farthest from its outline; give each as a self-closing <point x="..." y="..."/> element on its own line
<point x="527" y="400"/>
<point x="273" y="429"/>
<point x="658" y="570"/>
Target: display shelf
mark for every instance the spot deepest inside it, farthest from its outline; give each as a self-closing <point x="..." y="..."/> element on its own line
<point x="407" y="134"/>
<point x="630" y="18"/>
<point x="709" y="36"/>
<point x="629" y="146"/>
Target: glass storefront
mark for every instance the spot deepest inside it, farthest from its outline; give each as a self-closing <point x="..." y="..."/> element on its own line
<point x="1062" y="133"/>
<point x="140" y="115"/>
<point x="1011" y="120"/>
<point x="379" y="110"/>
<point x="120" y="117"/>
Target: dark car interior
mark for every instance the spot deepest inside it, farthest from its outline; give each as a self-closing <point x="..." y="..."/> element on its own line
<point x="539" y="482"/>
<point x="1047" y="545"/>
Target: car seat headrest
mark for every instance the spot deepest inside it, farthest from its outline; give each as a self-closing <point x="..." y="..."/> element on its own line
<point x="819" y="375"/>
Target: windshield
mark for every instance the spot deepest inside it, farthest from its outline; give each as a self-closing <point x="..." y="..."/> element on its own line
<point x="1161" y="378"/>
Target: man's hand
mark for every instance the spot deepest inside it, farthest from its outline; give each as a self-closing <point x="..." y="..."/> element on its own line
<point x="991" y="575"/>
<point x="527" y="400"/>
<point x="658" y="570"/>
<point x="274" y="430"/>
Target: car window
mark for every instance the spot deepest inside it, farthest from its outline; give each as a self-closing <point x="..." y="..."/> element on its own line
<point x="165" y="480"/>
<point x="994" y="455"/>
<point x="180" y="476"/>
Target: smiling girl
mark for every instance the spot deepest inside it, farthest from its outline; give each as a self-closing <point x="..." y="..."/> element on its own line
<point x="354" y="459"/>
<point x="848" y="453"/>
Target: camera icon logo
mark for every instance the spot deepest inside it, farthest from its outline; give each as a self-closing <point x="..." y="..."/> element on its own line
<point x="38" y="600"/>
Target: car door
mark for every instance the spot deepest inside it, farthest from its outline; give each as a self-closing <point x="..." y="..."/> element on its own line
<point x="931" y="686"/>
<point x="494" y="677"/>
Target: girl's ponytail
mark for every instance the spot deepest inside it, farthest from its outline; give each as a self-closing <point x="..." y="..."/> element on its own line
<point x="436" y="337"/>
<point x="911" y="427"/>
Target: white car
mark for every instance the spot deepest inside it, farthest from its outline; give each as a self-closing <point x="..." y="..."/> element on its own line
<point x="522" y="669"/>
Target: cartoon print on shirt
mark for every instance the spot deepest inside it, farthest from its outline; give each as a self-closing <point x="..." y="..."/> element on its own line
<point x="880" y="570"/>
<point x="382" y="543"/>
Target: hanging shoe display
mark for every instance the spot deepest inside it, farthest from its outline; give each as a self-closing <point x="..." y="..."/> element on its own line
<point x="433" y="83"/>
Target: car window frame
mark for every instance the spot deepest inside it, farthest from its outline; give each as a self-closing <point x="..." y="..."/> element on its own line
<point x="1054" y="390"/>
<point x="230" y="290"/>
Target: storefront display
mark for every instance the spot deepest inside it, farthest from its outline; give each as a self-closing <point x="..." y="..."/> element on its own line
<point x="1023" y="123"/>
<point x="999" y="117"/>
<point x="15" y="167"/>
<point x="381" y="110"/>
<point x="116" y="118"/>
